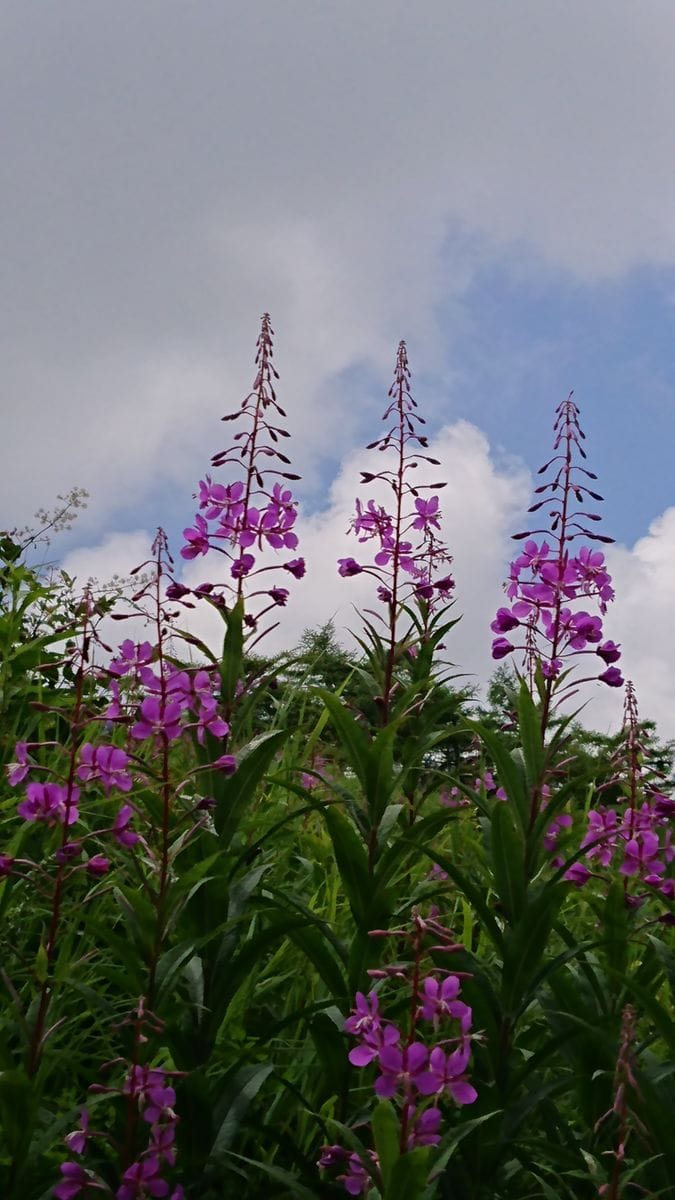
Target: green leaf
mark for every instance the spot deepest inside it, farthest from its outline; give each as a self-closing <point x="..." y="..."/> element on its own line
<point x="386" y="1133"/>
<point x="511" y="776"/>
<point x="234" y="793"/>
<point x="240" y="1091"/>
<point x="525" y="946"/>
<point x="615" y="929"/>
<point x="41" y="968"/>
<point x="279" y="1175"/>
<point x="16" y="1112"/>
<point x="531" y="740"/>
<point x="409" y="1175"/>
<point x="231" y="667"/>
<point x="352" y="862"/>
<point x="507" y="855"/>
<point x="354" y="740"/>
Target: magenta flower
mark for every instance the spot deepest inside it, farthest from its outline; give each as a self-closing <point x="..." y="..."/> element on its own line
<point x="121" y="831"/>
<point x="602" y="836"/>
<point x="142" y="1179"/>
<point x="577" y="874"/>
<point x="296" y="566"/>
<point x="48" y="802"/>
<point x="447" y="1074"/>
<point x="504" y="621"/>
<point x="427" y="513"/>
<point x="242" y="566"/>
<point x="279" y="596"/>
<point x="401" y="1070"/>
<point x="609" y="651"/>
<point x="98" y="865"/>
<point x="227" y="763"/>
<point x="160" y="1100"/>
<point x="197" y="538"/>
<point x="107" y="763"/>
<point x="77" y="1140"/>
<point x="163" y="1139"/>
<point x="501" y="647"/>
<point x="563" y="821"/>
<point x="641" y="854"/>
<point x="348" y="567"/>
<point x="439" y="1001"/>
<point x="17" y="771"/>
<point x="365" y="1023"/>
<point x="132" y="656"/>
<point x="532" y="557"/>
<point x="209" y="718"/>
<point x="612" y="677"/>
<point x="158" y="719"/>
<point x="332" y="1156"/>
<point x="75" y="1180"/>
<point x="424" y="1128"/>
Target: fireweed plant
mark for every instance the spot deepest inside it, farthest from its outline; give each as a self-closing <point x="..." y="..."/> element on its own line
<point x="247" y="932"/>
<point x="411" y="562"/>
<point x="549" y="579"/>
<point x="247" y="516"/>
<point x="421" y="1066"/>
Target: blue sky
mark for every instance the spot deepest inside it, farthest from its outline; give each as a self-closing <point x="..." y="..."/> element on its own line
<point x="480" y="179"/>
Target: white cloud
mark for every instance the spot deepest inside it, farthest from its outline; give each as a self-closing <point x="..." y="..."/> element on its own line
<point x="641" y="619"/>
<point x="169" y="174"/>
<point x="482" y="505"/>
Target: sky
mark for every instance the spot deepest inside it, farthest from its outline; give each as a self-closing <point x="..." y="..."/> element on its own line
<point x="493" y="182"/>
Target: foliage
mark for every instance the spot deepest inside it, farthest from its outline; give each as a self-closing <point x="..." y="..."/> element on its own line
<point x="320" y="925"/>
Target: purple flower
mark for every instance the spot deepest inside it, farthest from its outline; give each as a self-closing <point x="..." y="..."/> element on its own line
<point x="158" y="718"/>
<point x="48" y="802"/>
<point x="577" y="874"/>
<point x="332" y="1156"/>
<point x="17" y="771"/>
<point x="106" y="763"/>
<point x="278" y="595"/>
<point x="641" y="855"/>
<point x="365" y="1023"/>
<point x="356" y="1180"/>
<point x="75" y="1180"/>
<point x="532" y="557"/>
<point x="131" y="657"/>
<point x="444" y="586"/>
<point x="296" y="567"/>
<point x="160" y="1100"/>
<point x="77" y="1140"/>
<point x="242" y="566"/>
<point x="142" y="1179"/>
<point x="121" y="831"/>
<point x="401" y="1069"/>
<point x="197" y="538"/>
<point x="447" y="1074"/>
<point x="98" y="865"/>
<point x="439" y="1000"/>
<point x="602" y="835"/>
<point x="209" y="718"/>
<point x="609" y="651"/>
<point x="227" y="763"/>
<point x="427" y="513"/>
<point x="348" y="567"/>
<point x="423" y="1128"/>
<point x="563" y="821"/>
<point x="501" y="647"/>
<point x="612" y="677"/>
<point x="504" y="621"/>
